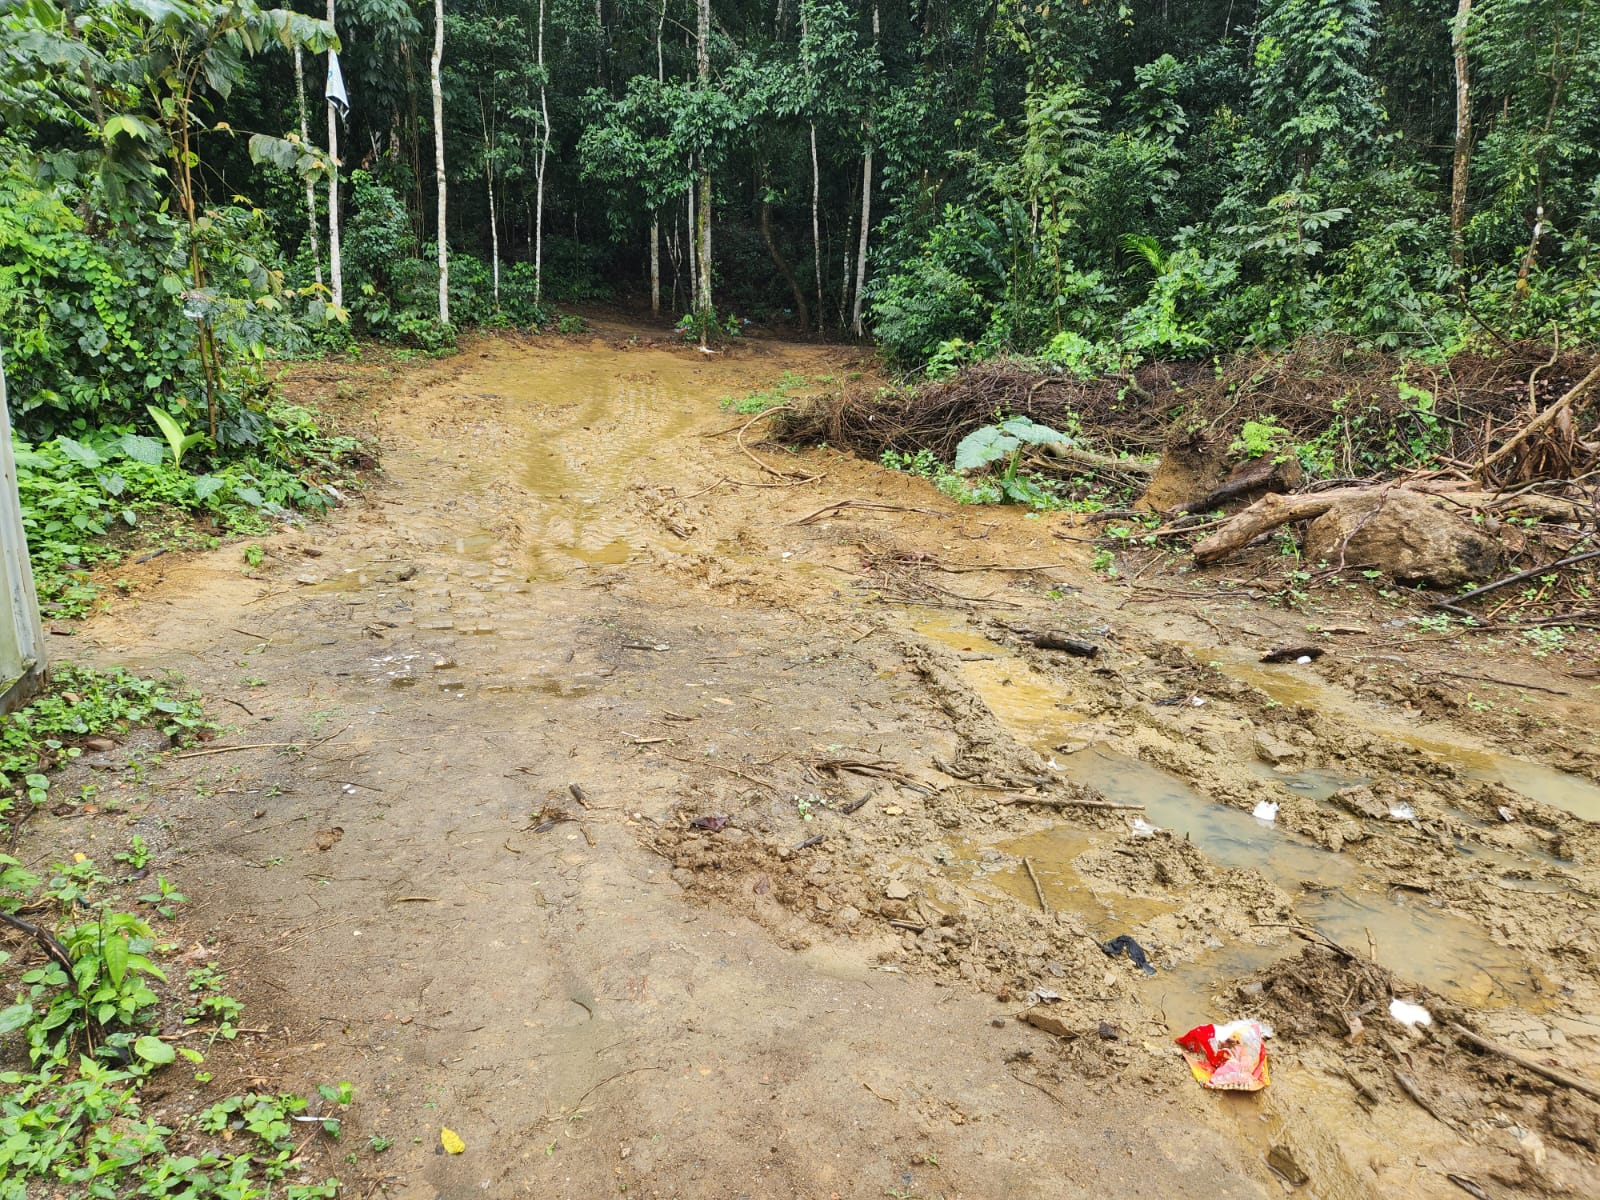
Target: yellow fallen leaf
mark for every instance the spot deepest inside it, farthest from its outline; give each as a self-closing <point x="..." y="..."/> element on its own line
<point x="79" y="857"/>
<point x="451" y="1141"/>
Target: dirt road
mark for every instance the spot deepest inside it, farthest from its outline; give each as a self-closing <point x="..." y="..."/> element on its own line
<point x="665" y="831"/>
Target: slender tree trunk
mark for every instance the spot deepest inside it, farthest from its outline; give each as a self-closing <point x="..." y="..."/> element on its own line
<point x="694" y="249"/>
<point x="866" y="208"/>
<point x="485" y="108"/>
<point x="655" y="213"/>
<point x="335" y="263"/>
<point x="538" y="171"/>
<point x="438" y="159"/>
<point x="816" y="227"/>
<point x="703" y="73"/>
<point x="1463" y="148"/>
<point x="655" y="263"/>
<point x="494" y="239"/>
<point x="703" y="221"/>
<point x="311" y="184"/>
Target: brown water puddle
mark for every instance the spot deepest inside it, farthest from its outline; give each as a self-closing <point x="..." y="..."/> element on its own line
<point x="1336" y="894"/>
<point x="1292" y="685"/>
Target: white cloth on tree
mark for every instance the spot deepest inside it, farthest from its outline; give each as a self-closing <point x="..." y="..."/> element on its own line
<point x="337" y="96"/>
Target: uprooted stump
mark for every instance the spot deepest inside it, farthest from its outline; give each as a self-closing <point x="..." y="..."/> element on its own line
<point x="1408" y="535"/>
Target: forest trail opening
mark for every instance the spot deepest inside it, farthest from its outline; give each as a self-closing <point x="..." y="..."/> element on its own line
<point x="687" y="839"/>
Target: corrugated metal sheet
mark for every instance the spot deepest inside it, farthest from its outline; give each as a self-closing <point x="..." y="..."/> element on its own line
<point x="21" y="637"/>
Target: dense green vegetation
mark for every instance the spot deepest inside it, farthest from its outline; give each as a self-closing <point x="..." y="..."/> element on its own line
<point x="1089" y="181"/>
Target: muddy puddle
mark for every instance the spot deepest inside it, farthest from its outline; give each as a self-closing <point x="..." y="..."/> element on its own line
<point x="1335" y="894"/>
<point x="586" y="427"/>
<point x="1294" y="686"/>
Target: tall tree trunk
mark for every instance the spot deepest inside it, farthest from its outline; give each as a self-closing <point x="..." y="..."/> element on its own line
<point x="311" y="184"/>
<point x="335" y="263"/>
<point x="1463" y="149"/>
<point x="703" y="73"/>
<point x="538" y="171"/>
<point x="655" y="263"/>
<point x="494" y="239"/>
<point x="778" y="260"/>
<point x="816" y="227"/>
<point x="438" y="159"/>
<point x="694" y="248"/>
<point x="866" y="208"/>
<point x="485" y="108"/>
<point x="655" y="213"/>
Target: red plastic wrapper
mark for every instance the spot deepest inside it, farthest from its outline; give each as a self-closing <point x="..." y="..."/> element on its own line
<point x="1229" y="1058"/>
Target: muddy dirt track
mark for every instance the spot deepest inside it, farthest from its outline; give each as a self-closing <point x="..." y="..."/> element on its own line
<point x="666" y="831"/>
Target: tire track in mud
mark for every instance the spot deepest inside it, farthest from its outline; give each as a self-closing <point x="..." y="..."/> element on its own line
<point x="390" y="903"/>
<point x="555" y="990"/>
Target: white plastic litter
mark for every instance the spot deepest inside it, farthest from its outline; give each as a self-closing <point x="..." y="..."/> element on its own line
<point x="1408" y="1014"/>
<point x="1197" y="701"/>
<point x="1303" y="659"/>
<point x="1143" y="828"/>
<point x="1402" y="812"/>
<point x="1052" y="764"/>
<point x="1265" y="810"/>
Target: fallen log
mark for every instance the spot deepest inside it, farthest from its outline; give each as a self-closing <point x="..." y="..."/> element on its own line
<point x="1097" y="462"/>
<point x="1411" y="533"/>
<point x="1265" y="515"/>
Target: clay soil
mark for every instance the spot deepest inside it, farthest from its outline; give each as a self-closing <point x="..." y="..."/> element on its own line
<point x="672" y="814"/>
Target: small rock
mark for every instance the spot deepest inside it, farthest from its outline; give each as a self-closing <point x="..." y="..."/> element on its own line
<point x="1533" y="1152"/>
<point x="1281" y="1159"/>
<point x="305" y="580"/>
<point x="848" y="916"/>
<point x="1040" y="1019"/>
<point x="1272" y="751"/>
<point x="327" y="839"/>
<point x="98" y="743"/>
<point x="897" y="890"/>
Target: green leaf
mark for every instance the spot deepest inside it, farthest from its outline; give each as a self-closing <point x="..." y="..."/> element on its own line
<point x="143" y="449"/>
<point x="154" y="1050"/>
<point x="250" y="496"/>
<point x="1031" y="432"/>
<point x="15" y="1017"/>
<point x="177" y="440"/>
<point x="206" y="486"/>
<point x="116" y="952"/>
<point x="984" y="446"/>
<point x="79" y="453"/>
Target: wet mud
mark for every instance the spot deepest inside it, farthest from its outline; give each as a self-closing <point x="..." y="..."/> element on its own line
<point x="845" y="848"/>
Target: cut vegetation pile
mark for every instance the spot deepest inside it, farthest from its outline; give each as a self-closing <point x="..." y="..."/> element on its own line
<point x="1482" y="471"/>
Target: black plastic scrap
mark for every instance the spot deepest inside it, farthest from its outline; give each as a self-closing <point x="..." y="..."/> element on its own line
<point x="1135" y="952"/>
